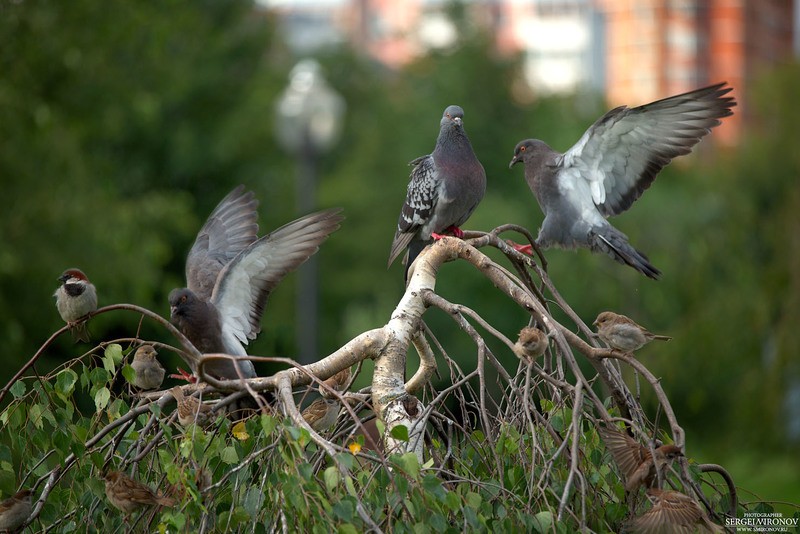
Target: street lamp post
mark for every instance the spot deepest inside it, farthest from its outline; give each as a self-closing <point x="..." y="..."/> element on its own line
<point x="309" y="118"/>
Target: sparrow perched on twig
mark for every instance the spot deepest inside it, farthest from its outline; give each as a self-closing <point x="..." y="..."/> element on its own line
<point x="149" y="372"/>
<point x="634" y="460"/>
<point x="76" y="298"/>
<point x="321" y="414"/>
<point x="672" y="513"/>
<point x="622" y="333"/>
<point x="128" y="495"/>
<point x="337" y="382"/>
<point x="531" y="344"/>
<point x="230" y="273"/>
<point x="15" y="510"/>
<point x="610" y="166"/>
<point x="191" y="410"/>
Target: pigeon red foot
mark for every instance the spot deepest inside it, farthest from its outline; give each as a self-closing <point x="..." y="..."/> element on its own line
<point x="183" y="375"/>
<point x="454" y="230"/>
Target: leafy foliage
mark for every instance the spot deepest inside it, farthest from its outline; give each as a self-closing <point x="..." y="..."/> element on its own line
<point x="122" y="128"/>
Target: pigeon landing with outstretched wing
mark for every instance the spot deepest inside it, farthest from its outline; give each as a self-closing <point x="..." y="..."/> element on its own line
<point x="230" y="274"/>
<point x="610" y="167"/>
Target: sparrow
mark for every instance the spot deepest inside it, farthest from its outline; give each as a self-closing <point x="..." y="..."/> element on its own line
<point x="337" y="382"/>
<point x="15" y="510"/>
<point x="531" y="344"/>
<point x="321" y="414"/>
<point x="230" y="273"/>
<point x="149" y="372"/>
<point x="610" y="167"/>
<point x="622" y="333"/>
<point x="128" y="495"/>
<point x="673" y="513"/>
<point x="76" y="299"/>
<point x="191" y="410"/>
<point x="634" y="460"/>
<point x="445" y="188"/>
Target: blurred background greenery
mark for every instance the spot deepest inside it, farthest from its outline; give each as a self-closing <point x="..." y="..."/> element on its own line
<point x="122" y="125"/>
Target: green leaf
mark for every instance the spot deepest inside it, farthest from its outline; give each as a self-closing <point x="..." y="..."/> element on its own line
<point x="344" y="510"/>
<point x="331" y="477"/>
<point x="408" y="463"/>
<point x="543" y="521"/>
<point x="348" y="528"/>
<point x="557" y="422"/>
<point x="473" y="500"/>
<point x="268" y="424"/>
<point x="400" y="432"/>
<point x="229" y="455"/>
<point x="101" y="399"/>
<point x="381" y="426"/>
<point x="65" y="383"/>
<point x="18" y="389"/>
<point x="351" y="487"/>
<point x="129" y="374"/>
<point x="35" y="416"/>
<point x="112" y="357"/>
<point x="253" y="500"/>
<point x="452" y="501"/>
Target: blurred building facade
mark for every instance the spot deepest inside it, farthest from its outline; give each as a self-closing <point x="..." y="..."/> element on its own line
<point x="633" y="51"/>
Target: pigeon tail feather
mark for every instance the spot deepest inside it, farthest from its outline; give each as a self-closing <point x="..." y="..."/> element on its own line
<point x="414" y="248"/>
<point x="616" y="245"/>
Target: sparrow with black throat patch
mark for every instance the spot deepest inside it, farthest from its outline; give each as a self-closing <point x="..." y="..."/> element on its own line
<point x="76" y="300"/>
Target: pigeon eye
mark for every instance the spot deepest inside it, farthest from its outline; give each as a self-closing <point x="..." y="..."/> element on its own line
<point x="183" y="299"/>
<point x="448" y="116"/>
<point x="522" y="149"/>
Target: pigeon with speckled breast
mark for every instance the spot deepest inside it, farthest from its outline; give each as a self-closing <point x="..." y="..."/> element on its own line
<point x="610" y="167"/>
<point x="446" y="187"/>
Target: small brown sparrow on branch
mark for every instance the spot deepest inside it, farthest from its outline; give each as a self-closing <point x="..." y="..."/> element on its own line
<point x="337" y="382"/>
<point x="15" y="510"/>
<point x="127" y="495"/>
<point x="191" y="410"/>
<point x="321" y="414"/>
<point x="622" y="333"/>
<point x="149" y="372"/>
<point x="531" y="344"/>
<point x="634" y="460"/>
<point x="673" y="512"/>
<point x="76" y="298"/>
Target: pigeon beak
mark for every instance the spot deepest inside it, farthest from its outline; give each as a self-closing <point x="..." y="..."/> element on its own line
<point x="514" y="161"/>
<point x="172" y="310"/>
<point x="457" y="120"/>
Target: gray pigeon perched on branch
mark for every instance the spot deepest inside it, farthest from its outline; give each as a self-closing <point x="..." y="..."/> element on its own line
<point x="230" y="273"/>
<point x="446" y="187"/>
<point x="609" y="168"/>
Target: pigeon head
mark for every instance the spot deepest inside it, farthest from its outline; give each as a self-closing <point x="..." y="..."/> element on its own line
<point x="181" y="302"/>
<point x="452" y="116"/>
<point x="529" y="149"/>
